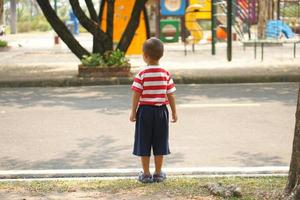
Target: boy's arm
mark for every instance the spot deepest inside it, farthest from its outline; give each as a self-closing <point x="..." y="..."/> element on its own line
<point x="135" y="101"/>
<point x="171" y="99"/>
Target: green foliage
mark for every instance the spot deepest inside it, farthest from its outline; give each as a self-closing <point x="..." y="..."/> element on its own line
<point x="109" y="59"/>
<point x="93" y="60"/>
<point x="37" y="23"/>
<point x="115" y="58"/>
<point x="291" y="11"/>
<point x="3" y="43"/>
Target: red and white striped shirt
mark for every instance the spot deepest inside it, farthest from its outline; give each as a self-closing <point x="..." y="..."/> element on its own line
<point x="153" y="83"/>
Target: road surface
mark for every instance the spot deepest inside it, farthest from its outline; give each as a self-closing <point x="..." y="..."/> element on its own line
<point x="87" y="127"/>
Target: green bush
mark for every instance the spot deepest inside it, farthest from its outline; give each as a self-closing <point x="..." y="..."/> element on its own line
<point x="92" y="60"/>
<point x="24" y="27"/>
<point x="108" y="59"/>
<point x="115" y="58"/>
<point x="3" y="43"/>
<point x="37" y="23"/>
<point x="291" y="11"/>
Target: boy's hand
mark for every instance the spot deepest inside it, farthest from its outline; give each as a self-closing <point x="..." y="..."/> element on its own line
<point x="132" y="117"/>
<point x="174" y="117"/>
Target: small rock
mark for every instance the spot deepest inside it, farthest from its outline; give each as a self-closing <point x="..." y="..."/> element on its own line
<point x="230" y="191"/>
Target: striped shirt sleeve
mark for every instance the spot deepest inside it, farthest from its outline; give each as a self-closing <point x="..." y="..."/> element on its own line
<point x="170" y="87"/>
<point x="137" y="84"/>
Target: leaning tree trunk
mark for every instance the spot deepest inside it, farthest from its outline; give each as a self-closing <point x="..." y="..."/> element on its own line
<point x="133" y="24"/>
<point x="91" y="26"/>
<point x="110" y="21"/>
<point x="102" y="41"/>
<point x="265" y="13"/>
<point x="61" y="29"/>
<point x="93" y="15"/>
<point x="292" y="189"/>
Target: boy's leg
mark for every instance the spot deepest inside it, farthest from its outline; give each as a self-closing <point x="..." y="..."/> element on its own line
<point x="158" y="160"/>
<point x="145" y="163"/>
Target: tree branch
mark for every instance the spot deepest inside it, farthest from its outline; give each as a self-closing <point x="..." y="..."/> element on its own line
<point x="87" y="23"/>
<point x="148" y="33"/>
<point x="132" y="25"/>
<point x="101" y="39"/>
<point x="92" y="10"/>
<point x="101" y="7"/>
<point x="60" y="28"/>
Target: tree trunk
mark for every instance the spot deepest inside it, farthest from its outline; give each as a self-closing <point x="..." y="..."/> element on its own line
<point x="110" y="21"/>
<point x="1" y="11"/>
<point x="101" y="40"/>
<point x="133" y="24"/>
<point x="61" y="29"/>
<point x="13" y="16"/>
<point x="292" y="189"/>
<point x="97" y="46"/>
<point x="265" y="13"/>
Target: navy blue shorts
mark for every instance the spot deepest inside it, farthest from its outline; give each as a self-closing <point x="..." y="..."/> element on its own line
<point x="151" y="131"/>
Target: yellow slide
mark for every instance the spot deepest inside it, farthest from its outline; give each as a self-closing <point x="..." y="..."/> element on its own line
<point x="198" y="9"/>
<point x="192" y="24"/>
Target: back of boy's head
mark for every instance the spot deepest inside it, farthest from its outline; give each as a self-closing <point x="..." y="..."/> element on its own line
<point x="154" y="48"/>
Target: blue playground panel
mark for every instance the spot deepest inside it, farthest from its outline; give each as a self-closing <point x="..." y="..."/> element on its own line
<point x="165" y="11"/>
<point x="276" y="27"/>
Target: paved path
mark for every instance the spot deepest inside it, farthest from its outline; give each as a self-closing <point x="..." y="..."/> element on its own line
<point x="87" y="127"/>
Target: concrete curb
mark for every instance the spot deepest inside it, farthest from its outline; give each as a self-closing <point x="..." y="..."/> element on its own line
<point x="75" y="81"/>
<point x="132" y="172"/>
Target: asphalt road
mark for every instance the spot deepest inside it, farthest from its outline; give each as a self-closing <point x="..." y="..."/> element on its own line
<point x="88" y="127"/>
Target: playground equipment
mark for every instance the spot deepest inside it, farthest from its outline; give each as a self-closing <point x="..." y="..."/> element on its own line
<point x="197" y="10"/>
<point x="246" y="11"/>
<point x="123" y="10"/>
<point x="172" y="7"/>
<point x="233" y="19"/>
<point x="168" y="27"/>
<point x="275" y="29"/>
<point x="204" y="9"/>
<point x="191" y="23"/>
<point x="169" y="24"/>
<point x="244" y="14"/>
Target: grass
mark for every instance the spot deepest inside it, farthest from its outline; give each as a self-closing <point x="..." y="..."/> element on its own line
<point x="3" y="43"/>
<point x="292" y="10"/>
<point x="252" y="188"/>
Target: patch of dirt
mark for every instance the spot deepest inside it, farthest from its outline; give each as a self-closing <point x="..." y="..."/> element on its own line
<point x="91" y="195"/>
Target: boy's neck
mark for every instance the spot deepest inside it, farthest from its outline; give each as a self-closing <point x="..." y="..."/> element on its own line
<point x="153" y="63"/>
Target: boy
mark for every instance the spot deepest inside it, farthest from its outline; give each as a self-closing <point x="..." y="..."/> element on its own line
<point x="153" y="89"/>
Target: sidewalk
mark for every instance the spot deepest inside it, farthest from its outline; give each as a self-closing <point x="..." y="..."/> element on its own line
<point x="34" y="61"/>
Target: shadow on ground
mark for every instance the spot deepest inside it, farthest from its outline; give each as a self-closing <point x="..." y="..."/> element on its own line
<point x="247" y="159"/>
<point x="115" y="99"/>
<point x="100" y="152"/>
<point x="239" y="93"/>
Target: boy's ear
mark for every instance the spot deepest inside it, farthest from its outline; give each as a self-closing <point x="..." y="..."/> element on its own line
<point x="145" y="55"/>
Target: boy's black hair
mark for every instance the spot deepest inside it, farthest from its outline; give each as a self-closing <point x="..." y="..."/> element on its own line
<point x="154" y="48"/>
